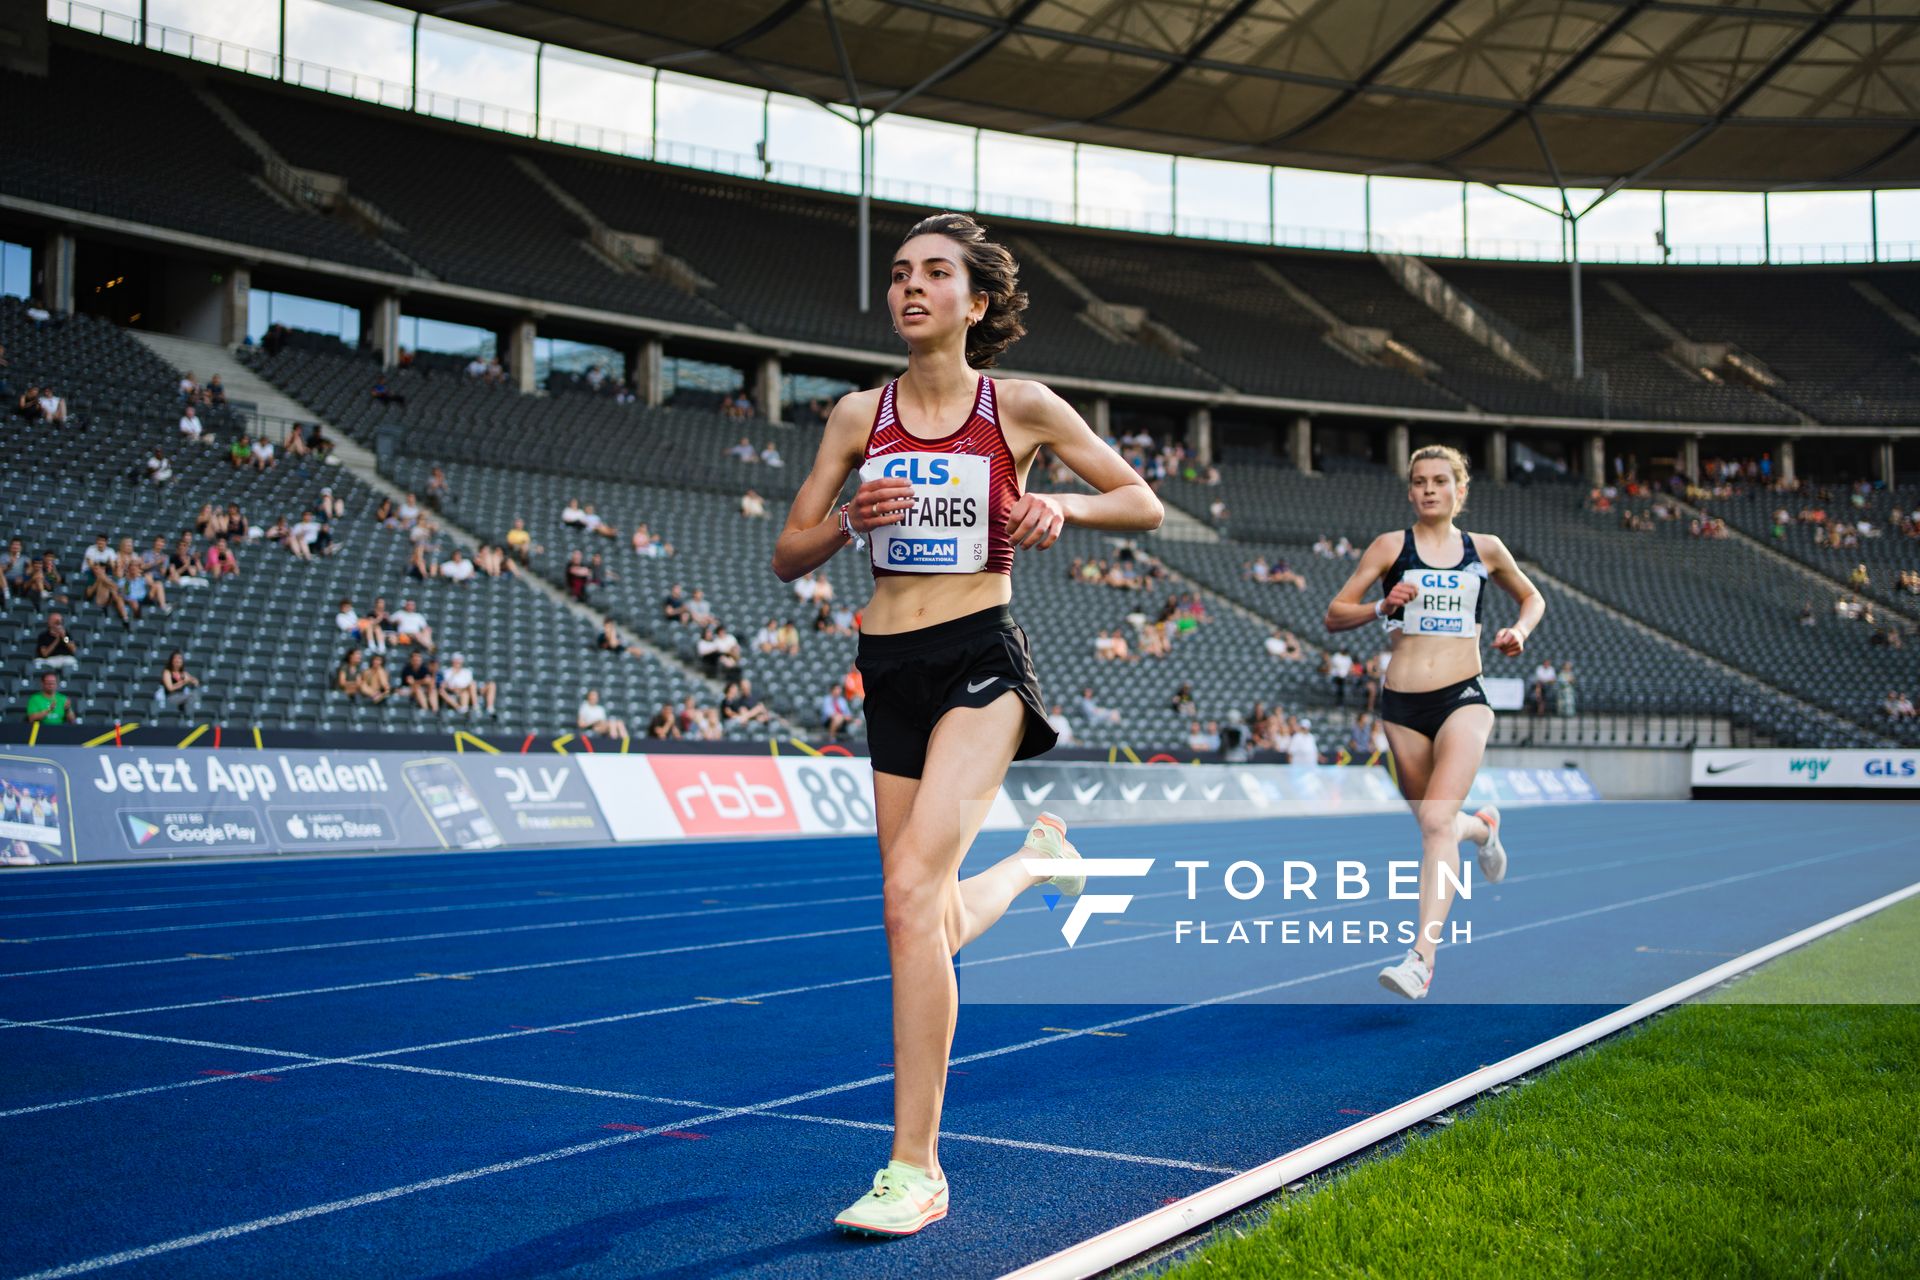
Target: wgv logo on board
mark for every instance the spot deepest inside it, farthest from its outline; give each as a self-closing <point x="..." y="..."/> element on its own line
<point x="1811" y="767"/>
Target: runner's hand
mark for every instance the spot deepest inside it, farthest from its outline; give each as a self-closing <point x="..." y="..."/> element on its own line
<point x="1035" y="521"/>
<point x="1510" y="641"/>
<point x="1402" y="592"/>
<point x="880" y="502"/>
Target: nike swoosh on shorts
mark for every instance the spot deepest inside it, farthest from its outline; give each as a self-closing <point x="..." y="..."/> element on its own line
<point x="975" y="688"/>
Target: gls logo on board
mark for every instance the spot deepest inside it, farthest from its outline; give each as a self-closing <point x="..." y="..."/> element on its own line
<point x="923" y="551"/>
<point x="1905" y="768"/>
<point x="920" y="471"/>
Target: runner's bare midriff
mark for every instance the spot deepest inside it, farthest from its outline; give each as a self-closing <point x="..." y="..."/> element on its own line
<point x="910" y="603"/>
<point x="1421" y="663"/>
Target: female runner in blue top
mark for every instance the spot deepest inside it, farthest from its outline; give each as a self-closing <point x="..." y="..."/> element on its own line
<point x="951" y="693"/>
<point x="1435" y="711"/>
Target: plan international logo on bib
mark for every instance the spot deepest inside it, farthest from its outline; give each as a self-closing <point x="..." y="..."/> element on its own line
<point x="923" y="551"/>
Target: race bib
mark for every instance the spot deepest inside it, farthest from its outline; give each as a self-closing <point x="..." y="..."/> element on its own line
<point x="946" y="528"/>
<point x="1446" y="602"/>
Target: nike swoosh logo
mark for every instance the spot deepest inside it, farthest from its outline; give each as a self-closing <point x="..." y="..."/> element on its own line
<point x="1173" y="793"/>
<point x="1726" y="768"/>
<point x="1085" y="794"/>
<point x="1036" y="794"/>
<point x="1213" y="793"/>
<point x="1133" y="794"/>
<point x="975" y="688"/>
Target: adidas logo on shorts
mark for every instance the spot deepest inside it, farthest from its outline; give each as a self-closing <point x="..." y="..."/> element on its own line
<point x="1469" y="692"/>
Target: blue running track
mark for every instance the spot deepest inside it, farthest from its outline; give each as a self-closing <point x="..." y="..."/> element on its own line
<point x="674" y="1061"/>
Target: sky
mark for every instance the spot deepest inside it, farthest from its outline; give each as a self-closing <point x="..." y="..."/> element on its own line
<point x="363" y="48"/>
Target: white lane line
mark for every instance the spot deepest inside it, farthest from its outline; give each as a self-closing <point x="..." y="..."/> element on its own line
<point x="1095" y="1153"/>
<point x="518" y="882"/>
<point x="452" y="933"/>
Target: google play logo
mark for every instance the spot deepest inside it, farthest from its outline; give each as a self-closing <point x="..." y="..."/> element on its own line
<point x="142" y="830"/>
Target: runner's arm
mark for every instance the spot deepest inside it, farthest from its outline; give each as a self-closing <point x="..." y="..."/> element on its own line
<point x="1349" y="610"/>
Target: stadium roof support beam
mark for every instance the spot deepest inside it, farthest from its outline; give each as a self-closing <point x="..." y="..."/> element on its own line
<point x="864" y="256"/>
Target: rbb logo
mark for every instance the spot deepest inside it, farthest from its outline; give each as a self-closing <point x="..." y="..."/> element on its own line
<point x="919" y="470"/>
<point x="726" y="797"/>
<point x="521" y="788"/>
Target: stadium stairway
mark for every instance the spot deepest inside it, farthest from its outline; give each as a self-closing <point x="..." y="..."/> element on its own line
<point x="271" y="409"/>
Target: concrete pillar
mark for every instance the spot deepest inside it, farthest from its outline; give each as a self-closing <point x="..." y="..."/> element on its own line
<point x="517" y="353"/>
<point x="1100" y="416"/>
<point x="1596" y="460"/>
<point x="1883" y="463"/>
<point x="381" y="321"/>
<point x="1399" y="445"/>
<point x="56" y="272"/>
<point x="1200" y="434"/>
<point x="766" y="387"/>
<point x="1690" y="458"/>
<point x="1300" y="444"/>
<point x="1497" y="456"/>
<point x="233" y="306"/>
<point x="644" y="371"/>
<point x="1783" y="462"/>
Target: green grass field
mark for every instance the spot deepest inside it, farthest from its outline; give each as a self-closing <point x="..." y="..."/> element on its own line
<point x="1755" y="1132"/>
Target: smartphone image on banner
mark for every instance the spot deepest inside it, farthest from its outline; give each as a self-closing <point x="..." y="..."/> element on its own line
<point x="450" y="804"/>
<point x="36" y="813"/>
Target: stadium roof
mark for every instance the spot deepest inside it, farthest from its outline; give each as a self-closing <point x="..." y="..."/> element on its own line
<point x="1708" y="94"/>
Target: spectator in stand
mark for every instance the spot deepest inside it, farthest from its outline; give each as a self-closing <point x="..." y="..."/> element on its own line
<point x="1540" y="683"/>
<point x="417" y="679"/>
<point x="351" y="625"/>
<point x="767" y="638"/>
<point x="590" y="521"/>
<point x="1565" y="701"/>
<point x="664" y="724"/>
<point x="738" y="706"/>
<point x="463" y="691"/>
<point x="13" y="565"/>
<point x="1302" y="746"/>
<point x="788" y="638"/>
<point x="674" y="607"/>
<point x="375" y="684"/>
<point x="836" y="713"/>
<point x="295" y="443"/>
<point x="410" y="627"/>
<point x="609" y="641"/>
<point x="187" y="562"/>
<point x="1093" y="712"/>
<point x="54" y="647"/>
<point x="645" y="544"/>
<point x="458" y="568"/>
<point x="346" y="676"/>
<point x="1898" y="706"/>
<point x="699" y="611"/>
<point x="439" y="491"/>
<point x="579" y="575"/>
<point x="770" y="456"/>
<point x="53" y="408"/>
<point x="179" y="689"/>
<point x="1062" y="727"/>
<point x="494" y="562"/>
<point x="520" y="542"/>
<point x="744" y="451"/>
<point x="49" y="705"/>
<point x="1859" y="579"/>
<point x="137" y="584"/>
<point x="1339" y="672"/>
<point x="593" y="721"/>
<point x="189" y="388"/>
<point x="753" y="506"/>
<point x="27" y="406"/>
<point x="221" y="562"/>
<point x="302" y="536"/>
<point x="332" y="508"/>
<point x="192" y="429"/>
<point x="263" y="459"/>
<point x="159" y="469"/>
<point x="719" y="651"/>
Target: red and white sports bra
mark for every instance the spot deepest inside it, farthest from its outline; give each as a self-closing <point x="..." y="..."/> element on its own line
<point x="963" y="487"/>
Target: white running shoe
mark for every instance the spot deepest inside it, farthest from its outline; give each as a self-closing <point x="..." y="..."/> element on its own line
<point x="1493" y="854"/>
<point x="1410" y="977"/>
<point x="903" y="1200"/>
<point x="1049" y="836"/>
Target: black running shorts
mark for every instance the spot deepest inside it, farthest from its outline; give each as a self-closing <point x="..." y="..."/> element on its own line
<point x="1426" y="711"/>
<point x="915" y="677"/>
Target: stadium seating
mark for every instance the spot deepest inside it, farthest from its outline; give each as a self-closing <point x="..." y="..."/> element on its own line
<point x="263" y="644"/>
